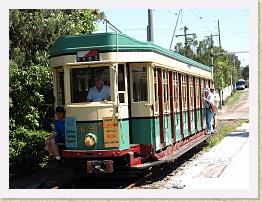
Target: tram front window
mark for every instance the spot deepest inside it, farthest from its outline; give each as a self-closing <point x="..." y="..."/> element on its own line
<point x="90" y="84"/>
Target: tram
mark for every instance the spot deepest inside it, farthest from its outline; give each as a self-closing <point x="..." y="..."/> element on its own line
<point x="155" y="106"/>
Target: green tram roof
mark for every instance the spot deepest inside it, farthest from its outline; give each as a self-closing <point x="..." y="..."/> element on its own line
<point x="106" y="42"/>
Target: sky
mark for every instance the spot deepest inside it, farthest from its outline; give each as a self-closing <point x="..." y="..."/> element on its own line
<point x="234" y="26"/>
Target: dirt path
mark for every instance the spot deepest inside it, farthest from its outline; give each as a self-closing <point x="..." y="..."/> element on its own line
<point x="238" y="110"/>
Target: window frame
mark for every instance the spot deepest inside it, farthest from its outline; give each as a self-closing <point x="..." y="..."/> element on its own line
<point x="89" y="66"/>
<point x="184" y="91"/>
<point x="139" y="65"/>
<point x="125" y="84"/>
<point x="57" y="86"/>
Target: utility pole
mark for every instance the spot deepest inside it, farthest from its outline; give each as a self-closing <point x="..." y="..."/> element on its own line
<point x="212" y="54"/>
<point x="233" y="71"/>
<point x="185" y="35"/>
<point x="218" y="27"/>
<point x="150" y="36"/>
<point x="212" y="58"/>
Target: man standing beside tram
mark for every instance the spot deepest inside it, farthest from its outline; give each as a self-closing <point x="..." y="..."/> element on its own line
<point x="210" y="109"/>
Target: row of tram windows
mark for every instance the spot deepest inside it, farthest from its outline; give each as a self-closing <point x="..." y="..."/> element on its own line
<point x="191" y="92"/>
<point x="83" y="79"/>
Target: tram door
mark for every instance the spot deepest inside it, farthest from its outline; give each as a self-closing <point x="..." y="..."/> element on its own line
<point x="160" y="105"/>
<point x="139" y="90"/>
<point x="140" y="110"/>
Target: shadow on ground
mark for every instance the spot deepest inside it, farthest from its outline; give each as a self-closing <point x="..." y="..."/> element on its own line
<point x="239" y="134"/>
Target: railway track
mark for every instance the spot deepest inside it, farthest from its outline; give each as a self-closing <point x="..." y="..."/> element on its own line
<point x="129" y="179"/>
<point x="59" y="177"/>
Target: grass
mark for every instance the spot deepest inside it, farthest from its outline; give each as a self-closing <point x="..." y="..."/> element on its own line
<point x="223" y="131"/>
<point x="234" y="98"/>
<point x="226" y="127"/>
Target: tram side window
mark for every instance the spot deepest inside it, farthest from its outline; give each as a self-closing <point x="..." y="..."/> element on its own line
<point x="139" y="75"/>
<point x="197" y="92"/>
<point x="191" y="89"/>
<point x="85" y="82"/>
<point x="184" y="92"/>
<point x="176" y="97"/>
<point x="166" y="90"/>
<point x="203" y="87"/>
<point x="121" y="83"/>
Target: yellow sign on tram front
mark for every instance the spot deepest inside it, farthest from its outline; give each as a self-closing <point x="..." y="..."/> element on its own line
<point x="110" y="125"/>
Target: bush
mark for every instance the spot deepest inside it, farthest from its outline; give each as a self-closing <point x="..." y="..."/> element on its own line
<point x="26" y="151"/>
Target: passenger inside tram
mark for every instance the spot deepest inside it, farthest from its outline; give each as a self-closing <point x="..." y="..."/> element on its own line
<point x="99" y="92"/>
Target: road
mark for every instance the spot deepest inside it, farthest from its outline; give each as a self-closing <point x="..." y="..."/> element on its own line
<point x="225" y="166"/>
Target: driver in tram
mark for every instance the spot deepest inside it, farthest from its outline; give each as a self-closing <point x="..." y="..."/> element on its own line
<point x="99" y="92"/>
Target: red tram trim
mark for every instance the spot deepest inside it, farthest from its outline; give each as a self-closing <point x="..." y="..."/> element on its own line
<point x="195" y="111"/>
<point x="176" y="147"/>
<point x="180" y="105"/>
<point x="129" y="104"/>
<point x="171" y="101"/>
<point x="146" y="151"/>
<point x="161" y="107"/>
<point x="188" y="105"/>
<point x="143" y="150"/>
<point x="200" y="103"/>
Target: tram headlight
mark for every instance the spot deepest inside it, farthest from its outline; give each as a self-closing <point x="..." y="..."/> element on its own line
<point x="90" y="140"/>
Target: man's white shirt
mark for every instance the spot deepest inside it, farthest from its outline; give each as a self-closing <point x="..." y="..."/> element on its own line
<point x="95" y="96"/>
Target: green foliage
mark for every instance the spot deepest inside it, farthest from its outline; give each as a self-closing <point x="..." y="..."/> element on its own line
<point x="31" y="33"/>
<point x="34" y="31"/>
<point x="28" y="89"/>
<point x="226" y="129"/>
<point x="26" y="150"/>
<point x="245" y="73"/>
<point x="226" y="66"/>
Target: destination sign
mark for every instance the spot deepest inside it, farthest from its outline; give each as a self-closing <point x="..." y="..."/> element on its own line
<point x="87" y="56"/>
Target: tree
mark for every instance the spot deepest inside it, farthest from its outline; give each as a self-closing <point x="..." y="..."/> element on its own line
<point x="226" y="67"/>
<point x="245" y="72"/>
<point x="31" y="33"/>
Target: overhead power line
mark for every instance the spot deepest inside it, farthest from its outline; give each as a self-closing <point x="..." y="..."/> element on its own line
<point x="113" y="27"/>
<point x="175" y="29"/>
<point x="201" y="19"/>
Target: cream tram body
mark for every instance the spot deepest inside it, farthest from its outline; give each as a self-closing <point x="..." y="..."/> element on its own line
<point x="156" y="95"/>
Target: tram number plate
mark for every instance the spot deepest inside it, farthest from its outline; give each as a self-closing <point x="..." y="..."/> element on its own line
<point x="111" y="138"/>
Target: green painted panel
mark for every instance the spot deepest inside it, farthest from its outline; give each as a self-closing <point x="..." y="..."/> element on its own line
<point x="97" y="128"/>
<point x="157" y="134"/>
<point x="192" y="121"/>
<point x="204" y="117"/>
<point x="199" y="119"/>
<point x="106" y="42"/>
<point x="185" y="123"/>
<point x="177" y="126"/>
<point x="143" y="131"/>
<point x="147" y="131"/>
<point x="167" y="129"/>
